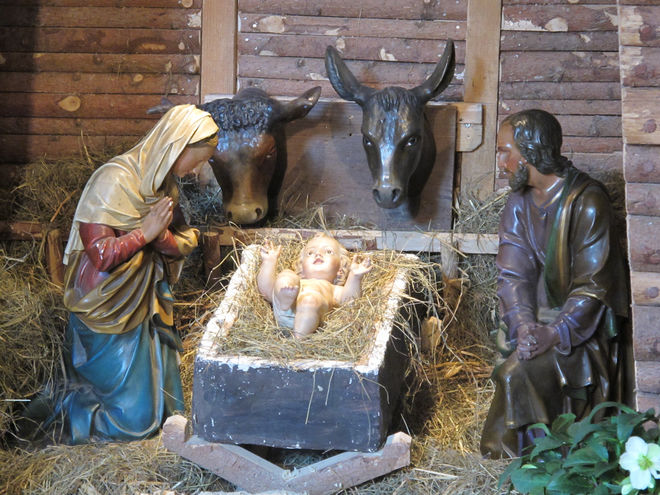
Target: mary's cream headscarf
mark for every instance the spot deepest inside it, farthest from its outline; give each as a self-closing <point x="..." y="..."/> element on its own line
<point x="121" y="192"/>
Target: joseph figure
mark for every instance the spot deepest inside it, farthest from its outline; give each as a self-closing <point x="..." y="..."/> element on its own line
<point x="561" y="284"/>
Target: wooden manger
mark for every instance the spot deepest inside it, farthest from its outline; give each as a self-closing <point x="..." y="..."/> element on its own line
<point x="314" y="404"/>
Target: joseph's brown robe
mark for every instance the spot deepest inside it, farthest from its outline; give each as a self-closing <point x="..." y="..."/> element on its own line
<point x="559" y="264"/>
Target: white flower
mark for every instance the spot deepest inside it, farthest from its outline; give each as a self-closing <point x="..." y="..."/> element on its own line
<point x="643" y="461"/>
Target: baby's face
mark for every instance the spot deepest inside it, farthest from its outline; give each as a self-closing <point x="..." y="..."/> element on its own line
<point x="321" y="259"/>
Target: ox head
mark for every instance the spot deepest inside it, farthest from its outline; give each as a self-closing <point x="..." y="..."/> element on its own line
<point x="250" y="158"/>
<point x="395" y="134"/>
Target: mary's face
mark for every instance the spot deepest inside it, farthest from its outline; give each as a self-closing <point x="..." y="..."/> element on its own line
<point x="191" y="159"/>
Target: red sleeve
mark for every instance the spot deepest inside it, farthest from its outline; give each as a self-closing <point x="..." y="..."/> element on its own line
<point x="167" y="245"/>
<point x="105" y="249"/>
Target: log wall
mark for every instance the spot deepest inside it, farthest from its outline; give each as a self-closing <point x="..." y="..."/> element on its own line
<point x="639" y="32"/>
<point x="90" y="68"/>
<point x="562" y="56"/>
<point x="281" y="43"/>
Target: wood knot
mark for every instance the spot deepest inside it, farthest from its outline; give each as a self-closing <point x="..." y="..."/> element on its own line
<point x="650" y="126"/>
<point x="70" y="103"/>
<point x="651" y="292"/>
<point x="647" y="33"/>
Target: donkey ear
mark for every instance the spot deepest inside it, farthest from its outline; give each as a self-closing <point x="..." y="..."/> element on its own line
<point x="301" y="106"/>
<point x="441" y="77"/>
<point x="343" y="80"/>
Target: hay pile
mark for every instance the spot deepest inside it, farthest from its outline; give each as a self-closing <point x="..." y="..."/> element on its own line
<point x="444" y="410"/>
<point x="346" y="333"/>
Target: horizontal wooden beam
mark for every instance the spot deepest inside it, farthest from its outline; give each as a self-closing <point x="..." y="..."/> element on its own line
<point x="371" y="239"/>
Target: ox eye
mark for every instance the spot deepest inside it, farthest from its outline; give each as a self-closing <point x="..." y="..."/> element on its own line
<point x="368" y="143"/>
<point x="412" y="141"/>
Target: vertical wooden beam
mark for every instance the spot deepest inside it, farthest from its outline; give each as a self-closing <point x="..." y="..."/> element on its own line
<point x="481" y="80"/>
<point x="218" y="65"/>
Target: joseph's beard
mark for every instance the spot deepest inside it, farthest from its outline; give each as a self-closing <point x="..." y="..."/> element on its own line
<point x="518" y="181"/>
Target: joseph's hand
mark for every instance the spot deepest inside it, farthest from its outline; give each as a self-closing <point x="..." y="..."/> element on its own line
<point x="537" y="340"/>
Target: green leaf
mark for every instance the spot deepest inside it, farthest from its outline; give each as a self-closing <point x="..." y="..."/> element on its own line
<point x="627" y="423"/>
<point x="602" y="490"/>
<point x="586" y="455"/>
<point x="580" y="430"/>
<point x="562" y="423"/>
<point x="601" y="468"/>
<point x="544" y="444"/>
<point x="573" y="484"/>
<point x="515" y="464"/>
<point x="528" y="480"/>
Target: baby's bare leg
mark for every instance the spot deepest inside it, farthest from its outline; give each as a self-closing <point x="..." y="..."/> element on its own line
<point x="309" y="311"/>
<point x="286" y="288"/>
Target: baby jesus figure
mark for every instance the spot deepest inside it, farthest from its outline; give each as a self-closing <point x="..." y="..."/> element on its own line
<point x="326" y="278"/>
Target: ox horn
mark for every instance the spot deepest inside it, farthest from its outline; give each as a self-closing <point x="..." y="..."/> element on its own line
<point x="441" y="77"/>
<point x="301" y="106"/>
<point x="343" y="80"/>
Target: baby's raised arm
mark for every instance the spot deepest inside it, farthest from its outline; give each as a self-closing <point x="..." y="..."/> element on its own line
<point x="360" y="265"/>
<point x="266" y="276"/>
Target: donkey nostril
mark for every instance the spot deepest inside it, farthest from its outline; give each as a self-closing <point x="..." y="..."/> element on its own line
<point x="376" y="195"/>
<point x="396" y="193"/>
<point x="259" y="211"/>
<point x="229" y="215"/>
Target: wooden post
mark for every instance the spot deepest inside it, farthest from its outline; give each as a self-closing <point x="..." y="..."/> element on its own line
<point x="219" y="27"/>
<point x="54" y="254"/>
<point x="482" y="60"/>
<point x="212" y="254"/>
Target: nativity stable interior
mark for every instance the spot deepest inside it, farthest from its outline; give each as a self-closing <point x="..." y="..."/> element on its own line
<point x="78" y="78"/>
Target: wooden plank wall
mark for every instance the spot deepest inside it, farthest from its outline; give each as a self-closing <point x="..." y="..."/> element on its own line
<point x="639" y="31"/>
<point x="562" y="56"/>
<point x="281" y="43"/>
<point x="92" y="68"/>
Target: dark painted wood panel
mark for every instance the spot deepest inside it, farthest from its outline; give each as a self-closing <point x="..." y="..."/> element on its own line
<point x="327" y="165"/>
